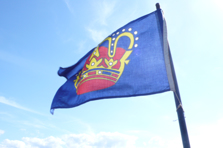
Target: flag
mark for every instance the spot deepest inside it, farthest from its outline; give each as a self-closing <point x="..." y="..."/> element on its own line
<point x="132" y="61"/>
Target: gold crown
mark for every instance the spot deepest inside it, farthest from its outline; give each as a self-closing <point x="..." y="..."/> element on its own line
<point x="104" y="66"/>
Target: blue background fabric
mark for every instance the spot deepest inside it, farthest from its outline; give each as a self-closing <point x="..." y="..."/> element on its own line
<point x="145" y="73"/>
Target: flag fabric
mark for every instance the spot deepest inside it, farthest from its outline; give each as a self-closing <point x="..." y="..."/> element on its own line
<point x="132" y="61"/>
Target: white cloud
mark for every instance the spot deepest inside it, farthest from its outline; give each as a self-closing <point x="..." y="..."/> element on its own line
<point x="11" y="103"/>
<point x="47" y="142"/>
<point x="209" y="135"/>
<point x="103" y="139"/>
<point x="156" y="140"/>
<point x="201" y="136"/>
<point x="100" y="140"/>
<point x="13" y="143"/>
<point x="5" y="114"/>
<point x="97" y="35"/>
<point x="14" y="104"/>
<point x="103" y="10"/>
<point x="69" y="6"/>
<point x="205" y="136"/>
<point x="161" y="142"/>
<point x="2" y="132"/>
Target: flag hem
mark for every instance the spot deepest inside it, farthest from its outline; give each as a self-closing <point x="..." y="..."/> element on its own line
<point x="167" y="57"/>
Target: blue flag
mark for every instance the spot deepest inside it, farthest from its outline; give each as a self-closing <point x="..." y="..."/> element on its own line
<point x="132" y="61"/>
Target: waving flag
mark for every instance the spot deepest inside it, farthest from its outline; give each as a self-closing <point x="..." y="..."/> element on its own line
<point x="132" y="61"/>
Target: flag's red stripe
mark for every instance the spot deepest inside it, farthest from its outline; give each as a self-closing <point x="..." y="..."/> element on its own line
<point x="99" y="76"/>
<point x="114" y="75"/>
<point x="93" y="85"/>
<point x="92" y="73"/>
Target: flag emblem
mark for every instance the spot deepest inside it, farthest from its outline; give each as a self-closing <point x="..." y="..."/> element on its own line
<point x="105" y="65"/>
<point x="132" y="61"/>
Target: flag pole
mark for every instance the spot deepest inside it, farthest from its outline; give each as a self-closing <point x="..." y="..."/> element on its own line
<point x="180" y="111"/>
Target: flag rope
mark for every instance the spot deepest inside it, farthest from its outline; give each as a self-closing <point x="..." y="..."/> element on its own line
<point x="180" y="104"/>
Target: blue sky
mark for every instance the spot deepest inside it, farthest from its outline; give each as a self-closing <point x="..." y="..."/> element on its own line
<point x="38" y="37"/>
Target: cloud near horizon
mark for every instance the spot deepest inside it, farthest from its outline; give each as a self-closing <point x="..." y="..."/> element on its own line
<point x="100" y="140"/>
<point x="205" y="136"/>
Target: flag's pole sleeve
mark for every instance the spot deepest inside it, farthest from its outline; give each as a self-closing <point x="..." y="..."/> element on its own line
<point x="180" y="111"/>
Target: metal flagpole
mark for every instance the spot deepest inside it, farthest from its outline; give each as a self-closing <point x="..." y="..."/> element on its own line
<point x="180" y="111"/>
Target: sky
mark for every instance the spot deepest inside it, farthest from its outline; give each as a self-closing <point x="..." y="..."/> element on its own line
<point x="38" y="37"/>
